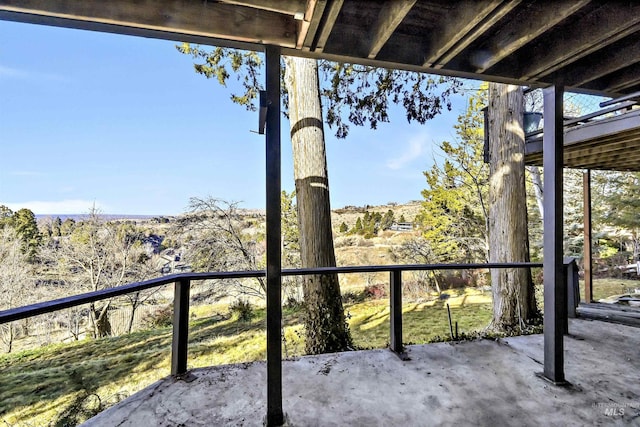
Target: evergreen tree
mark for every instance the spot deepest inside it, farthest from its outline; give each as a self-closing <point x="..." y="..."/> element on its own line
<point x="56" y="227"/>
<point x="357" y="228"/>
<point x="6" y="216"/>
<point x="67" y="227"/>
<point x="387" y="220"/>
<point x="514" y="304"/>
<point x="619" y="206"/>
<point x="24" y="222"/>
<point x="453" y="218"/>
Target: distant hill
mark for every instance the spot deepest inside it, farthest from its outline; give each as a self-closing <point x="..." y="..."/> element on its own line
<point x="112" y="217"/>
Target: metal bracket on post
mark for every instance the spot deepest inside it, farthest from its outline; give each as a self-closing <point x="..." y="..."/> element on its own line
<point x="262" y="113"/>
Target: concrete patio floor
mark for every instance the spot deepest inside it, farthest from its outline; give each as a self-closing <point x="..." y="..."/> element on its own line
<point x="479" y="383"/>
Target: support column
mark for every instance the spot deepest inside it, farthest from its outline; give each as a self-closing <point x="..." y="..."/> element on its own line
<point x="588" y="244"/>
<point x="275" y="415"/>
<point x="555" y="310"/>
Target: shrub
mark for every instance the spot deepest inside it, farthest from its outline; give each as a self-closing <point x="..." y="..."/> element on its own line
<point x="353" y="297"/>
<point x="450" y="281"/>
<point x="241" y="308"/>
<point x="375" y="291"/>
<point x="159" y="318"/>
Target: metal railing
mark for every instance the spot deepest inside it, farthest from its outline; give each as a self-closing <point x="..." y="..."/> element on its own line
<point x="182" y="285"/>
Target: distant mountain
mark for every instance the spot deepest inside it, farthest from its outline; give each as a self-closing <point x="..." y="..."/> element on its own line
<point x="110" y="217"/>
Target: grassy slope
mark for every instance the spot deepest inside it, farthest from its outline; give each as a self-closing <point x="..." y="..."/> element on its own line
<point x="38" y="385"/>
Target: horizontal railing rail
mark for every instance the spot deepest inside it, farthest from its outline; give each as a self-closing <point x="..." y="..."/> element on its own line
<point x="31" y="310"/>
<point x="182" y="285"/>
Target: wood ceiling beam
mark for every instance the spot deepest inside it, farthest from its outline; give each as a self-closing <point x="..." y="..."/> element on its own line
<point x="390" y="16"/>
<point x="314" y="23"/>
<point x="605" y="149"/>
<point x="326" y="24"/>
<point x="216" y="20"/>
<point x="625" y="79"/>
<point x="470" y="21"/>
<point x="617" y="57"/>
<point x="525" y="27"/>
<point x="289" y="7"/>
<point x="604" y="26"/>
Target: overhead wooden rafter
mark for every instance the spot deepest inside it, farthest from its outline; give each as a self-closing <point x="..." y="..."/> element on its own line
<point x="463" y="28"/>
<point x="326" y="24"/>
<point x="388" y="20"/>
<point x="587" y="45"/>
<point x="584" y="41"/>
<point x="524" y="28"/>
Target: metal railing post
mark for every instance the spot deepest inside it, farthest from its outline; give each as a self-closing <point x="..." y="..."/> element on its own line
<point x="180" y="327"/>
<point x="395" y="304"/>
<point x="275" y="414"/>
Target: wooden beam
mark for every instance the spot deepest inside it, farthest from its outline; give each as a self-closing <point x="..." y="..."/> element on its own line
<point x="314" y="24"/>
<point x="289" y="7"/>
<point x="214" y="20"/>
<point x="602" y="151"/>
<point x="390" y="16"/>
<point x="608" y="60"/>
<point x="625" y="79"/>
<point x="597" y="30"/>
<point x="470" y="21"/>
<point x="327" y="23"/>
<point x="525" y="27"/>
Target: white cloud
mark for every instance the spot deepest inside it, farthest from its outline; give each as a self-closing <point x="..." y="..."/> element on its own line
<point x="26" y="173"/>
<point x="414" y="149"/>
<point x="62" y="207"/>
<point x="16" y="73"/>
<point x="8" y="72"/>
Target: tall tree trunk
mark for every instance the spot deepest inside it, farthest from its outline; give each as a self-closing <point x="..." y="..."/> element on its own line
<point x="537" y="187"/>
<point x="513" y="294"/>
<point x="325" y="323"/>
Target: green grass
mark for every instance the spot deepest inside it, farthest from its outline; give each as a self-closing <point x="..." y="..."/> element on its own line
<point x="39" y="385"/>
<point x="603" y="288"/>
<point x="422" y="322"/>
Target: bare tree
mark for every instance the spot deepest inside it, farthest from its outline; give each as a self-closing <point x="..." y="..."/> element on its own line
<point x="99" y="255"/>
<point x="218" y="237"/>
<point x="14" y="279"/>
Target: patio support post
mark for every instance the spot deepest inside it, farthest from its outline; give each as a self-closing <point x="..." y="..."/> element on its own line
<point x="555" y="309"/>
<point x="275" y="415"/>
<point x="180" y="327"/>
<point x="395" y="296"/>
<point x="588" y="254"/>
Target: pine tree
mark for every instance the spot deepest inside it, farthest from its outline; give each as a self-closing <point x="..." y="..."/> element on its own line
<point x="387" y="220"/>
<point x="453" y="218"/>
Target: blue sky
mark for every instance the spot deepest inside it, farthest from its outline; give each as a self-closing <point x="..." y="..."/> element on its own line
<point x="126" y="124"/>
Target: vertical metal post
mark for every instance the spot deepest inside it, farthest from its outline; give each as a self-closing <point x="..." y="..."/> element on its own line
<point x="275" y="415"/>
<point x="554" y="286"/>
<point x="573" y="289"/>
<point x="180" y="327"/>
<point x="395" y="302"/>
<point x="588" y="254"/>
